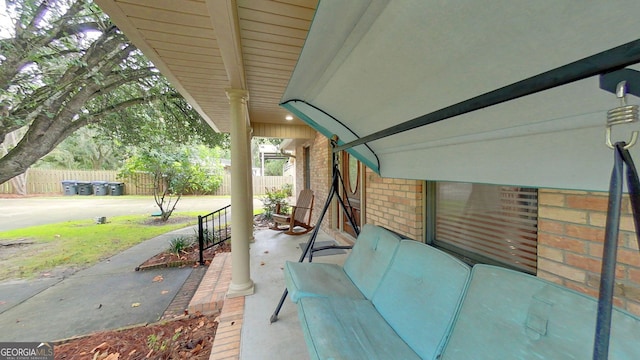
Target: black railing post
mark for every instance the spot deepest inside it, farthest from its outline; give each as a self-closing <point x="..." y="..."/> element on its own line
<point x="201" y="239"/>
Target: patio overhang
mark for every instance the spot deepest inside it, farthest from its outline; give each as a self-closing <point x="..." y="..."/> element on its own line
<point x="204" y="47"/>
<point x="373" y="65"/>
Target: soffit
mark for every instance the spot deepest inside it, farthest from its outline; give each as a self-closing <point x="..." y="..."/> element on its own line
<point x="205" y="47"/>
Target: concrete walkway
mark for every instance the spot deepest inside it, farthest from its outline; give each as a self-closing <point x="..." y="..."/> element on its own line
<point x="109" y="295"/>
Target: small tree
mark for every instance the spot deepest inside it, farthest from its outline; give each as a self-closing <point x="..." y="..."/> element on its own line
<point x="175" y="171"/>
<point x="169" y="177"/>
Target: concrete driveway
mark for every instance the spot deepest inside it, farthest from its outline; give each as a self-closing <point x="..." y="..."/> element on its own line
<point x="18" y="213"/>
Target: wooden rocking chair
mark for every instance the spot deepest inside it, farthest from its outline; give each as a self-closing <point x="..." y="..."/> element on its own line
<point x="300" y="215"/>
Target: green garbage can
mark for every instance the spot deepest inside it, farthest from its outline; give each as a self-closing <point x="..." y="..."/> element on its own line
<point x="117" y="188"/>
<point x="100" y="188"/>
<point x="70" y="187"/>
<point x="84" y="188"/>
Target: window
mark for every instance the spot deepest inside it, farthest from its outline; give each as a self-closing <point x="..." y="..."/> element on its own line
<point x="485" y="223"/>
<point x="306" y="153"/>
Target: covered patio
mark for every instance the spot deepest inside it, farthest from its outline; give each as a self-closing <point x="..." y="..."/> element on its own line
<point x="511" y="93"/>
<point x="245" y="330"/>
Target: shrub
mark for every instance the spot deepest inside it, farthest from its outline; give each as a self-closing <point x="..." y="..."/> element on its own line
<point x="179" y="244"/>
<point x="288" y="189"/>
<point x="275" y="199"/>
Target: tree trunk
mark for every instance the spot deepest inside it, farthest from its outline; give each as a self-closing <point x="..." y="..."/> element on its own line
<point x="19" y="182"/>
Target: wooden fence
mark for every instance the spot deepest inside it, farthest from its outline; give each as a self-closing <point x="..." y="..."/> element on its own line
<point x="43" y="181"/>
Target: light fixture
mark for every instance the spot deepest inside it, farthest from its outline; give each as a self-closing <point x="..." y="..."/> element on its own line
<point x="289" y="117"/>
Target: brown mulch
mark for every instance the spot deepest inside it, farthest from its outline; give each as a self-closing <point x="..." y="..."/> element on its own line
<point x="175" y="219"/>
<point x="188" y="257"/>
<point x="188" y="337"/>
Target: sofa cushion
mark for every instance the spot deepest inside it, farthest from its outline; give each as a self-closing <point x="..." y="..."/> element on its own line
<point x="318" y="279"/>
<point x="420" y="295"/>
<point x="351" y="329"/>
<point x="510" y="315"/>
<point x="361" y="274"/>
<point x="370" y="257"/>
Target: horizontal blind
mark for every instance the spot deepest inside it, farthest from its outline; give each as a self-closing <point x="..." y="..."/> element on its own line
<point x="494" y="222"/>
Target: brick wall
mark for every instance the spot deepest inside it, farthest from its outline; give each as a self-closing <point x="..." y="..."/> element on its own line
<point x="396" y="204"/>
<point x="571" y="227"/>
<point x="320" y="157"/>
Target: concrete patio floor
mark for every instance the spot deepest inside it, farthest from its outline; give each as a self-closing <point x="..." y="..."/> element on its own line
<point x="246" y="320"/>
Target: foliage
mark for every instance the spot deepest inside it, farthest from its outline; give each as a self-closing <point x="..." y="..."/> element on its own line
<point x="65" y="66"/>
<point x="288" y="189"/>
<point x="157" y="344"/>
<point x="176" y="170"/>
<point x="65" y="244"/>
<point x="275" y="201"/>
<point x="179" y="244"/>
<point x="274" y="167"/>
<point x="206" y="169"/>
<point x="83" y="150"/>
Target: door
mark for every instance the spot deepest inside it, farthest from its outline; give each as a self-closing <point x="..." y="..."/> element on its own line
<point x="352" y="192"/>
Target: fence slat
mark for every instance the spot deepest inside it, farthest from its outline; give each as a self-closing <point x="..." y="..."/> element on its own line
<point x="47" y="181"/>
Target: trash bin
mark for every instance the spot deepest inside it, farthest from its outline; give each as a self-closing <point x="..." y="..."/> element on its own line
<point x="100" y="188"/>
<point x="117" y="188"/>
<point x="84" y="188"/>
<point x="70" y="187"/>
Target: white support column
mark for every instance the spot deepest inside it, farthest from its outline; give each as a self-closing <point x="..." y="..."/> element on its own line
<point x="241" y="283"/>
<point x="250" y="184"/>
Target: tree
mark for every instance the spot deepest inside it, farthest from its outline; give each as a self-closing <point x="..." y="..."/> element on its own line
<point x="86" y="150"/>
<point x="274" y="167"/>
<point x="66" y="66"/>
<point x="177" y="170"/>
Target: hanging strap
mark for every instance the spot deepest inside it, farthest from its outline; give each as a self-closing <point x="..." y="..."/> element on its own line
<point x="607" y="277"/>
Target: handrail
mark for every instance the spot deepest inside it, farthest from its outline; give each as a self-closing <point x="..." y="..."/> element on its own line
<point x="213" y="229"/>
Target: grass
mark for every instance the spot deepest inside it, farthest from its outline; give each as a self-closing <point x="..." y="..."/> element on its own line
<point x="78" y="244"/>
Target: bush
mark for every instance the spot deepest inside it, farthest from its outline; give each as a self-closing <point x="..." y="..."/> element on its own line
<point x="288" y="189"/>
<point x="275" y="199"/>
<point x="179" y="244"/>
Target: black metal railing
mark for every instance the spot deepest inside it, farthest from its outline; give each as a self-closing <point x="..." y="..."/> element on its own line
<point x="213" y="229"/>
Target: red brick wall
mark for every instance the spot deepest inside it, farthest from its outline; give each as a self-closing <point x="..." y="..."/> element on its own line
<point x="320" y="158"/>
<point x="396" y="204"/>
<point x="570" y="244"/>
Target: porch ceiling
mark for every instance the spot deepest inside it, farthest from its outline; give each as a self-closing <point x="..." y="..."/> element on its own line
<point x="206" y="46"/>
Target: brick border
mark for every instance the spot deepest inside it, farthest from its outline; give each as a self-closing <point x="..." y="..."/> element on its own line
<point x="226" y="344"/>
<point x="210" y="296"/>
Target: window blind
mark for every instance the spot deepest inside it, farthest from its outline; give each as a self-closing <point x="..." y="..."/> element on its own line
<point x="498" y="223"/>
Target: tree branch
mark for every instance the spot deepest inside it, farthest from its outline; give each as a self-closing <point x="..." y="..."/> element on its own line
<point x="130" y="103"/>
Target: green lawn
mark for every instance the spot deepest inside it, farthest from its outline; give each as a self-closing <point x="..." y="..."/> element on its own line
<point x="78" y="244"/>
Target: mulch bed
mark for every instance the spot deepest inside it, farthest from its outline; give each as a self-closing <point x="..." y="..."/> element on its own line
<point x="188" y="337"/>
<point x="189" y="257"/>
